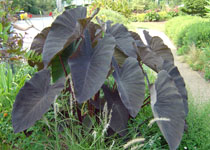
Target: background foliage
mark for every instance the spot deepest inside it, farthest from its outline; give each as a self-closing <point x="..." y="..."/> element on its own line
<point x="195" y="7"/>
<point x="35" y="6"/>
<point x="191" y="35"/>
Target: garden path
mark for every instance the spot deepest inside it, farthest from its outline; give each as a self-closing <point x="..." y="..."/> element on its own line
<point x="197" y="86"/>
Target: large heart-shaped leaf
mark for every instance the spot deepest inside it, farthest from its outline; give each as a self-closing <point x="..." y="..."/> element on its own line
<point x="65" y="29"/>
<point x="37" y="46"/>
<point x="179" y="81"/>
<point x="39" y="40"/>
<point x="154" y="54"/>
<point x="119" y="114"/>
<point x="150" y="58"/>
<point x="94" y="29"/>
<point x="91" y="66"/>
<point x="130" y="84"/>
<point x="34" y="99"/>
<point x="84" y="22"/>
<point x="166" y="102"/>
<point x="157" y="45"/>
<point x="124" y="40"/>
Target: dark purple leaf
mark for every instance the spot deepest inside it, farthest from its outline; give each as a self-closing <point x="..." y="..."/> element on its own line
<point x="130" y="84"/>
<point x="91" y="66"/>
<point x="37" y="46"/>
<point x="166" y="102"/>
<point x="39" y="40"/>
<point x="34" y="99"/>
<point x="124" y="40"/>
<point x="157" y="45"/>
<point x="150" y="58"/>
<point x="119" y="114"/>
<point x="179" y="81"/>
<point x="65" y="29"/>
<point x="154" y="54"/>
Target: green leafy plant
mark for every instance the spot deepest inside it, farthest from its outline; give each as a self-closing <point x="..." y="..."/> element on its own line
<point x="195" y="7"/>
<point x="152" y="16"/>
<point x="120" y="6"/>
<point x="80" y="56"/>
<point x="116" y="17"/>
<point x="173" y="12"/>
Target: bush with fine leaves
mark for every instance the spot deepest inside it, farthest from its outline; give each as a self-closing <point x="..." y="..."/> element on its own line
<point x="195" y="7"/>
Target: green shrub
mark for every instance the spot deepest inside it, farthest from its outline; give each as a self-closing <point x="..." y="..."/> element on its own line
<point x="141" y="17"/>
<point x="207" y="72"/>
<point x="121" y="6"/>
<point x="116" y="17"/>
<point x="191" y="35"/>
<point x="138" y="17"/>
<point x="175" y="28"/>
<point x="163" y="15"/>
<point x="106" y="14"/>
<point x="197" y="34"/>
<point x="194" y="7"/>
<point x="35" y="6"/>
<point x="173" y="12"/>
<point x="152" y="16"/>
<point x="133" y="17"/>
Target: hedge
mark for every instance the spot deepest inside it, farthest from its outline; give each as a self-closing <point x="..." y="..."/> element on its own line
<point x="188" y="32"/>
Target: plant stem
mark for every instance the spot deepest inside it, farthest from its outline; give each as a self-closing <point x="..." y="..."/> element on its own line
<point x="147" y="98"/>
<point x="145" y="121"/>
<point x="145" y="104"/>
<point x="64" y="69"/>
<point x="78" y="113"/>
<point x="144" y="74"/>
<point x="66" y="74"/>
<point x="97" y="96"/>
<point x="90" y="108"/>
<point x="114" y="86"/>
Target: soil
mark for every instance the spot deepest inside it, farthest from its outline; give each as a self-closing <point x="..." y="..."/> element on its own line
<point x="196" y="85"/>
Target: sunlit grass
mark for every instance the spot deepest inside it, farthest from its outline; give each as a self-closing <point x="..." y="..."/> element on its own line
<point x="160" y="26"/>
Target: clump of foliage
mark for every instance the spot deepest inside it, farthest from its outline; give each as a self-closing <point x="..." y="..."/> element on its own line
<point x="195" y="7"/>
<point x="198" y="136"/>
<point x="176" y="27"/>
<point x="207" y="7"/>
<point x="10" y="42"/>
<point x="107" y="14"/>
<point x="120" y="6"/>
<point x="6" y="41"/>
<point x="80" y="56"/>
<point x="192" y="38"/>
<point x="35" y="6"/>
<point x="173" y="12"/>
<point x="152" y="16"/>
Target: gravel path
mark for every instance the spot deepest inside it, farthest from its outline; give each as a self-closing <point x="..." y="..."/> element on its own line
<point x="197" y="86"/>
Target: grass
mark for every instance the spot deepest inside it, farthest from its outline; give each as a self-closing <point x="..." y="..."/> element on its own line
<point x="160" y="26"/>
<point x="55" y="131"/>
<point x="198" y="135"/>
